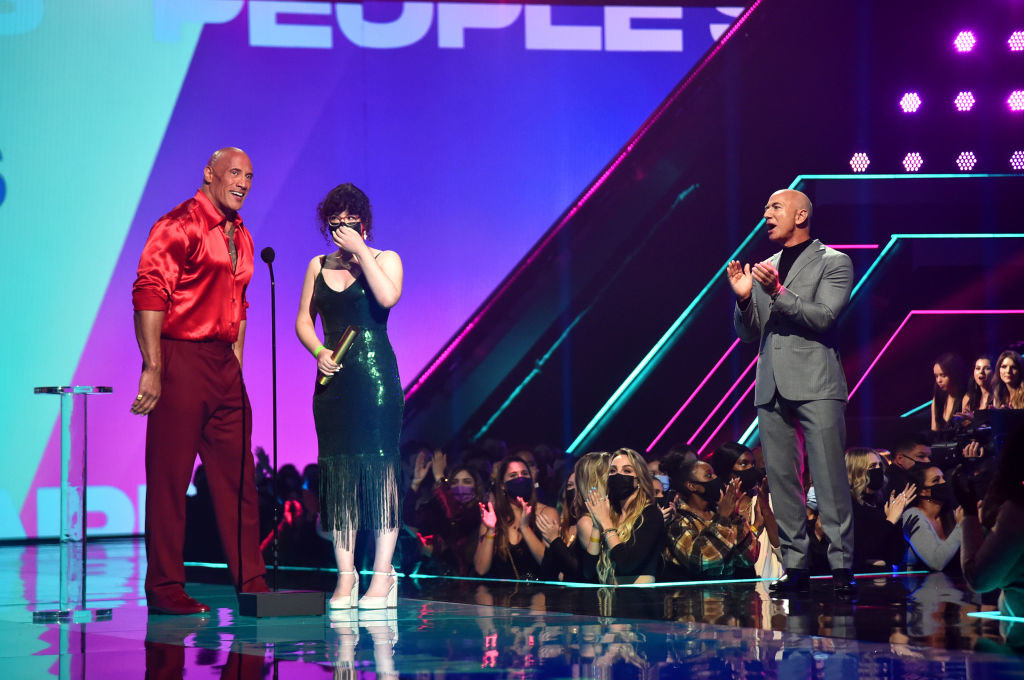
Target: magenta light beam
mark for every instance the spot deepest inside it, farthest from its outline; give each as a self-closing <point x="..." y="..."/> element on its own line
<point x="726" y="418"/>
<point x="722" y="400"/>
<point x="692" y="395"/>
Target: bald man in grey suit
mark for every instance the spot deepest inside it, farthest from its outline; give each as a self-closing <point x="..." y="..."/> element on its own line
<point x="789" y="304"/>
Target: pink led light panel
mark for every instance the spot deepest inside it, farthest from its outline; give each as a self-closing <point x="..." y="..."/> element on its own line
<point x="964" y="41"/>
<point x="964" y="101"/>
<point x="860" y="162"/>
<point x="913" y="161"/>
<point x="1016" y="100"/>
<point x="910" y="102"/>
<point x="1016" y="41"/>
<point x="1017" y="160"/>
<point x="966" y="161"/>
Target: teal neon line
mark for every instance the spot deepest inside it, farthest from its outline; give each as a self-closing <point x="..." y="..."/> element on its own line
<point x="748" y="435"/>
<point x="283" y="567"/>
<point x="995" y="616"/>
<point x="529" y="378"/>
<point x="662" y="341"/>
<point x="885" y="251"/>
<point x="658" y="584"/>
<point x="916" y="409"/>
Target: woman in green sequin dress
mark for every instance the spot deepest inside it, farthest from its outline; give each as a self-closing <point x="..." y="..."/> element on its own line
<point x="358" y="414"/>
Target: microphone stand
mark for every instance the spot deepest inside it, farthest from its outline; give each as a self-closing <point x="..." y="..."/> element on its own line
<point x="275" y="602"/>
<point x="268" y="257"/>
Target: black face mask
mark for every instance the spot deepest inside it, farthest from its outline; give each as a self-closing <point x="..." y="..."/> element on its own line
<point x="570" y="496"/>
<point x="876" y="479"/>
<point x="520" y="487"/>
<point x="712" y="491"/>
<point x="620" y="488"/>
<point x="943" y="493"/>
<point x="750" y="478"/>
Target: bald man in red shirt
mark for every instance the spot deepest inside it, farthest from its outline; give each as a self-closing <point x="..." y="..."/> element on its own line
<point x="190" y="311"/>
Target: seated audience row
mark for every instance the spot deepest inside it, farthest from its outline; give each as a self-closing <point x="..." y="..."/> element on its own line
<point x="993" y="385"/>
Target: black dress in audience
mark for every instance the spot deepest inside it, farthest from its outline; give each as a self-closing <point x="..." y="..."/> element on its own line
<point x="876" y="539"/>
<point x="517" y="563"/>
<point x="639" y="556"/>
<point x="565" y="560"/>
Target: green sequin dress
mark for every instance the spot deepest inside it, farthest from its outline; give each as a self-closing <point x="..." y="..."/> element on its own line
<point x="358" y="415"/>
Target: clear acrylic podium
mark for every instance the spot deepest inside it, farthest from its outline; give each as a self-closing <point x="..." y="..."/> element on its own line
<point x="74" y="441"/>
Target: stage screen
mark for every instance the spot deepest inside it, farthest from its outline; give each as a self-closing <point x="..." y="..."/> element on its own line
<point x="471" y="127"/>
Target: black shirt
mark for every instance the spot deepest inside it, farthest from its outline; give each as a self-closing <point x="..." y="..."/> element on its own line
<point x="789" y="255"/>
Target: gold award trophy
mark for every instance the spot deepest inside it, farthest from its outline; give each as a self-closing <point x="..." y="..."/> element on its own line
<point x="339" y="352"/>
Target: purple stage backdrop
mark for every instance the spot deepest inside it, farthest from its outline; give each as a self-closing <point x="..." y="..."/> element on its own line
<point x="470" y="126"/>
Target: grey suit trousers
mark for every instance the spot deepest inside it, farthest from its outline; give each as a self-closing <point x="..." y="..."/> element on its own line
<point x="823" y="427"/>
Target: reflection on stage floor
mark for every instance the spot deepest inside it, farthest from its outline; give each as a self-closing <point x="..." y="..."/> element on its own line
<point x="915" y="625"/>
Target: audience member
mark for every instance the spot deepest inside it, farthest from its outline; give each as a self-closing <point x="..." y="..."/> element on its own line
<point x="509" y="546"/>
<point x="538" y="473"/>
<point x="930" y="524"/>
<point x="878" y="541"/>
<point x="446" y="516"/>
<point x="1008" y="382"/>
<point x="909" y="452"/>
<point x="948" y="391"/>
<point x="631" y="525"/>
<point x="732" y="460"/>
<point x="995" y="560"/>
<point x="979" y="390"/>
<point x="710" y="536"/>
<point x="564" y="557"/>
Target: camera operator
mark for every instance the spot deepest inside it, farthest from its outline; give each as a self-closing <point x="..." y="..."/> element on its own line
<point x="992" y="553"/>
<point x="910" y="452"/>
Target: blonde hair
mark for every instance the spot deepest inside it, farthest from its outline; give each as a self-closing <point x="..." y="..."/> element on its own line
<point x="858" y="458"/>
<point x="590" y="472"/>
<point x="632" y="512"/>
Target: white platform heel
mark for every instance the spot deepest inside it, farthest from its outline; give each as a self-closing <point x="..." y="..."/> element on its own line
<point x="346" y="601"/>
<point x="387" y="601"/>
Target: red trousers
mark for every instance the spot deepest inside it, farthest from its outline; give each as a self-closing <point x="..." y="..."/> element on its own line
<point x="203" y="408"/>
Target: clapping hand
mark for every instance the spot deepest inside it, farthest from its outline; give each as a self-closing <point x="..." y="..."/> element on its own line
<point x="548" y="527"/>
<point x="488" y="516"/>
<point x="423" y="463"/>
<point x="740" y="279"/>
<point x="527" y="512"/>
<point x="440" y="462"/>
<point x="729" y="500"/>
<point x="767" y="275"/>
<point x="600" y="509"/>
<point x="898" y="502"/>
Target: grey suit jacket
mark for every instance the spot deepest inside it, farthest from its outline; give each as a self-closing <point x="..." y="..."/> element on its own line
<point x="799" y="350"/>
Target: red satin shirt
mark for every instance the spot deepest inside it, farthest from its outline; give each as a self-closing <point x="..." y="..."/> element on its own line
<point x="185" y="271"/>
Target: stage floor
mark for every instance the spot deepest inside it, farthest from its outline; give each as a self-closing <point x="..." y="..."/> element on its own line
<point x="904" y="626"/>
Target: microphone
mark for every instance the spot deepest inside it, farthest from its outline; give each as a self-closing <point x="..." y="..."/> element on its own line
<point x="267" y="254"/>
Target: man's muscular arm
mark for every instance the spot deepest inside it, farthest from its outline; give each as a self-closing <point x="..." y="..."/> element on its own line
<point x="148" y="324"/>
